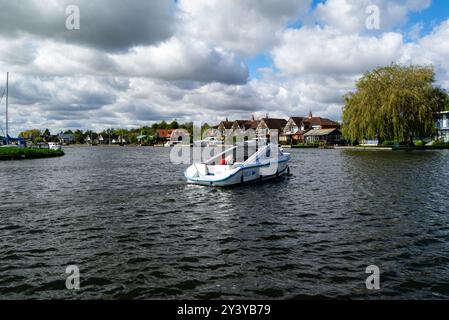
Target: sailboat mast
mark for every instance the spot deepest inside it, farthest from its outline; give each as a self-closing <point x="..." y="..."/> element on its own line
<point x="7" y="125"/>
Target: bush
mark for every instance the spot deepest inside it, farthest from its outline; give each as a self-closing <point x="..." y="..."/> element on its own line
<point x="388" y="143"/>
<point x="393" y="143"/>
<point x="419" y="143"/>
<point x="323" y="144"/>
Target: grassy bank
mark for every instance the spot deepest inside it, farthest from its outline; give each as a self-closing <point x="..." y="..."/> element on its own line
<point x="28" y="153"/>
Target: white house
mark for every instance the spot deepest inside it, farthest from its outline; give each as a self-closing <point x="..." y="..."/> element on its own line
<point x="443" y="126"/>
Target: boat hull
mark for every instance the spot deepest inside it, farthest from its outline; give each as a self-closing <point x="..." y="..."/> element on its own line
<point x="245" y="175"/>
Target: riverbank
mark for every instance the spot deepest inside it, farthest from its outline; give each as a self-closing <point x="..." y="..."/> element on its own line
<point x="403" y="148"/>
<point x="14" y="153"/>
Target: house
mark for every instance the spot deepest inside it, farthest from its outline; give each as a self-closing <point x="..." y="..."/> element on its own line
<point x="180" y="135"/>
<point x="225" y="126"/>
<point x="296" y="127"/>
<point x="163" y="135"/>
<point x="292" y="132"/>
<point x="105" y="138"/>
<point x="66" y="138"/>
<point x="442" y="126"/>
<point x="91" y="139"/>
<point x="241" y="126"/>
<point x="329" y="136"/>
<point x="268" y="125"/>
<point x="312" y="122"/>
<point x="118" y="140"/>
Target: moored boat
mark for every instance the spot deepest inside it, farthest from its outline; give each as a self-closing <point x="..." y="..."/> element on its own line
<point x="208" y="142"/>
<point x="54" y="146"/>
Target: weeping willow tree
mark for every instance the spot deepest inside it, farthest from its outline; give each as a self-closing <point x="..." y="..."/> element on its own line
<point x="393" y="103"/>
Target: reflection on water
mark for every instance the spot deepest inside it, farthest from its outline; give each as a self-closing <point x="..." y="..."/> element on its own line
<point x="126" y="217"/>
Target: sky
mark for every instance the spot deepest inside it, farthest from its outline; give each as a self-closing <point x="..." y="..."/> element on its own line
<point x="138" y="62"/>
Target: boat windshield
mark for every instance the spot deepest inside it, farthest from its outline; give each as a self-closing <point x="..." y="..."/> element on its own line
<point x="244" y="154"/>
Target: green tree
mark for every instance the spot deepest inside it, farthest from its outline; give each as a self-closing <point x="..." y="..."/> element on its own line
<point x="30" y="134"/>
<point x="174" y="125"/>
<point x="79" y="137"/>
<point x="47" y="135"/>
<point x="393" y="103"/>
<point x="38" y="140"/>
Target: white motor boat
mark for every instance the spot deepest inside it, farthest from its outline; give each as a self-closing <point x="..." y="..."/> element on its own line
<point x="54" y="146"/>
<point x="267" y="162"/>
<point x="170" y="143"/>
<point x="208" y="142"/>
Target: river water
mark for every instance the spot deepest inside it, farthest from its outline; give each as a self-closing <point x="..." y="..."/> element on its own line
<point x="135" y="230"/>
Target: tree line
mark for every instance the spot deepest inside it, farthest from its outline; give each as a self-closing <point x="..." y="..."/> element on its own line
<point x="130" y="135"/>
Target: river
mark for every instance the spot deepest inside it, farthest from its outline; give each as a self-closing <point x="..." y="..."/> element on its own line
<point x="126" y="218"/>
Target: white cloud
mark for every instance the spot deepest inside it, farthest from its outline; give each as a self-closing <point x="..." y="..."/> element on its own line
<point x="175" y="60"/>
<point x="182" y="59"/>
<point x="350" y="16"/>
<point x="317" y="50"/>
<point x="431" y="49"/>
<point x="243" y="26"/>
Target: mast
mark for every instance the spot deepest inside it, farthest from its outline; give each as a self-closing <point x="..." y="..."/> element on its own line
<point x="7" y="125"/>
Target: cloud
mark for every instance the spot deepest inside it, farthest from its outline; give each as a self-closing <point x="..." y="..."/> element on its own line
<point x="105" y="24"/>
<point x="173" y="60"/>
<point x="432" y="49"/>
<point x="349" y="16"/>
<point x="322" y="50"/>
<point x="183" y="59"/>
<point x="242" y="26"/>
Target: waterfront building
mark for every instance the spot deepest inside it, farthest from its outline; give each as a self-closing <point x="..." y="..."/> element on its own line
<point x="442" y="126"/>
<point x="119" y="140"/>
<point x="268" y="125"/>
<point x="105" y="138"/>
<point x="163" y="135"/>
<point x="297" y="127"/>
<point x="66" y="138"/>
<point x="225" y="126"/>
<point x="180" y="135"/>
<point x="329" y="136"/>
<point x="91" y="139"/>
<point x="293" y="133"/>
<point x="241" y="126"/>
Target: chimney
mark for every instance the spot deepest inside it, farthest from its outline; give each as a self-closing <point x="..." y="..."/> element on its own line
<point x="227" y="120"/>
<point x="267" y="116"/>
<point x="310" y="115"/>
<point x="252" y="117"/>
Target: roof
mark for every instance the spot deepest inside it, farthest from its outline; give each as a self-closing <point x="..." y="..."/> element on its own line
<point x="248" y="124"/>
<point x="275" y="123"/>
<point x="227" y="124"/>
<point x="317" y="121"/>
<point x="164" y="133"/>
<point x="298" y="120"/>
<point x="321" y="132"/>
<point x="66" y="136"/>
